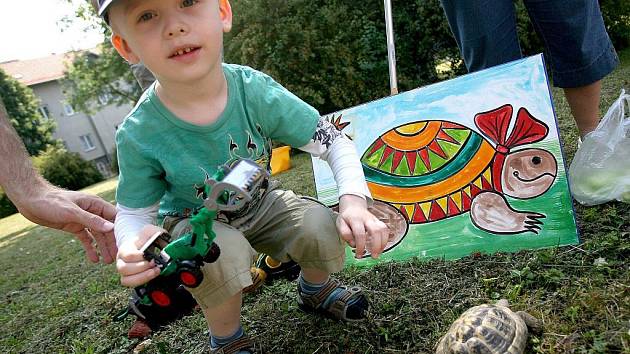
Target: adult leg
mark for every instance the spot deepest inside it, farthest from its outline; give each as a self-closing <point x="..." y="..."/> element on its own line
<point x="578" y="50"/>
<point x="584" y="103"/>
<point x="485" y="31"/>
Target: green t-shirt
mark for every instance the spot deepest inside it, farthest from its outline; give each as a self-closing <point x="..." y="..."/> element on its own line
<point x="162" y="157"/>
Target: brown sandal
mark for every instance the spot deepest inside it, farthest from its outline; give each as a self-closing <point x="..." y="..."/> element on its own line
<point x="338" y="309"/>
<point x="241" y="344"/>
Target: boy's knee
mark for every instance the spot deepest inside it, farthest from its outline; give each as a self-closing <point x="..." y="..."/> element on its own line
<point x="236" y="252"/>
<point x="230" y="273"/>
<point x="318" y="238"/>
<point x="318" y="223"/>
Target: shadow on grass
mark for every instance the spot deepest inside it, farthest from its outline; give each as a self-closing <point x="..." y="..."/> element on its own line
<point x="6" y="239"/>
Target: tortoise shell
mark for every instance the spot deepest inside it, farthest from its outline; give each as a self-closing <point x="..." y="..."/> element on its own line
<point x="490" y="329"/>
<point x="429" y="170"/>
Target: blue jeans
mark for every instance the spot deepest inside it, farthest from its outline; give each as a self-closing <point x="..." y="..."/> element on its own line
<point x="577" y="46"/>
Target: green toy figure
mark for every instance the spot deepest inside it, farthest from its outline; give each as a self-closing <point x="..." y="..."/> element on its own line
<point x="228" y="189"/>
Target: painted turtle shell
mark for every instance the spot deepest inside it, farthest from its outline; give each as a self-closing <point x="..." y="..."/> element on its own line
<point x="429" y="170"/>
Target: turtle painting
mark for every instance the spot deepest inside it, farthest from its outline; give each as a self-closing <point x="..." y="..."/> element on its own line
<point x="472" y="164"/>
<point x="432" y="170"/>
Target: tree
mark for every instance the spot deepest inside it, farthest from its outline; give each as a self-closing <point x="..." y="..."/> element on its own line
<point x="23" y="109"/>
<point x="333" y="53"/>
<point x="103" y="74"/>
<point x="100" y="73"/>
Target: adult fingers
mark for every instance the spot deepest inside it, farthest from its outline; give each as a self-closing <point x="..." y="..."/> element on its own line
<point x="106" y="243"/>
<point x="94" y="205"/>
<point x="91" y="221"/>
<point x="86" y="241"/>
<point x="108" y="209"/>
<point x="110" y="240"/>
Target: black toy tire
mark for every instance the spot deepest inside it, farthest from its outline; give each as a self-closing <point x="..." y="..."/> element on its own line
<point x="190" y="276"/>
<point x="213" y="253"/>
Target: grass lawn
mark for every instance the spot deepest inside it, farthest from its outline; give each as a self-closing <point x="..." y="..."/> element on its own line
<point x="54" y="301"/>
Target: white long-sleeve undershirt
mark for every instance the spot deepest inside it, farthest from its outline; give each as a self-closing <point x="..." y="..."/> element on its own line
<point x="345" y="165"/>
<point x="129" y="221"/>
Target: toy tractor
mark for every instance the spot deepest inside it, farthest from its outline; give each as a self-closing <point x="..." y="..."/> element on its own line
<point x="181" y="260"/>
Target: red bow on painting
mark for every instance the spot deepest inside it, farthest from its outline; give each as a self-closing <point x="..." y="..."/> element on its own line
<point x="494" y="124"/>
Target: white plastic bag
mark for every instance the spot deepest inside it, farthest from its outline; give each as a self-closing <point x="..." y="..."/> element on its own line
<point x="600" y="171"/>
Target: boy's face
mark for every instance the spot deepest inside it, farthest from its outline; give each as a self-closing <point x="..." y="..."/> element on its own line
<point x="178" y="40"/>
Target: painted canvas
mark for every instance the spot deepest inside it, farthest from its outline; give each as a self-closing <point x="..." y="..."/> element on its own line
<point x="472" y="164"/>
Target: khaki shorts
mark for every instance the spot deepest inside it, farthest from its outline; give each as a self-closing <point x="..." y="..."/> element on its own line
<point x="284" y="226"/>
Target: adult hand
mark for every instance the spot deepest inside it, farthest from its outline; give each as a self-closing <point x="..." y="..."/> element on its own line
<point x="360" y="228"/>
<point x="133" y="268"/>
<point x="88" y="217"/>
<point x="47" y="205"/>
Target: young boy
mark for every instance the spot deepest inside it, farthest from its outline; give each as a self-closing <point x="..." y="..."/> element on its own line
<point x="203" y="113"/>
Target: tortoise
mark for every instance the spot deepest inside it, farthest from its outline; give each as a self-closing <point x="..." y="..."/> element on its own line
<point x="433" y="170"/>
<point x="491" y="329"/>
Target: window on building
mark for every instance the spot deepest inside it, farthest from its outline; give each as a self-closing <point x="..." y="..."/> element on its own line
<point x="104" y="98"/>
<point x="86" y="141"/>
<point x="68" y="109"/>
<point x="103" y="168"/>
<point x="44" y="112"/>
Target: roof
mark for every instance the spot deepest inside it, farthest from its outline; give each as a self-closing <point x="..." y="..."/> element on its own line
<point x="36" y="71"/>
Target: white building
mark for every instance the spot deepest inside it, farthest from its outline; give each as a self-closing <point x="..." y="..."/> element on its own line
<point x="92" y="136"/>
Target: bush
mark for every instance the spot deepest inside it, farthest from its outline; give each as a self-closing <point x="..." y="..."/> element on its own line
<point x="616" y="15"/>
<point x="66" y="169"/>
<point x="6" y="207"/>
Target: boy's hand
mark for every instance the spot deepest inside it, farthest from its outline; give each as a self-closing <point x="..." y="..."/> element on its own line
<point x="360" y="228"/>
<point x="133" y="268"/>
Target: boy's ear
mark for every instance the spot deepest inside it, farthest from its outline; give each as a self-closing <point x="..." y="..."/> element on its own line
<point x="123" y="49"/>
<point x="225" y="11"/>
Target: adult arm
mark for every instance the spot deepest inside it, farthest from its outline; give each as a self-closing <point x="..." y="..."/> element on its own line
<point x="88" y="217"/>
